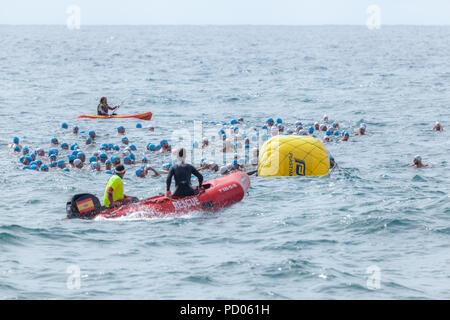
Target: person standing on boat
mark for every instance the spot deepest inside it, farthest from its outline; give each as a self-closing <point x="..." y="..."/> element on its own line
<point x="103" y="107"/>
<point x="182" y="173"/>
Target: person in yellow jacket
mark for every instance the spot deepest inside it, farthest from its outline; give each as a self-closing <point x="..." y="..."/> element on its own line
<point x="114" y="195"/>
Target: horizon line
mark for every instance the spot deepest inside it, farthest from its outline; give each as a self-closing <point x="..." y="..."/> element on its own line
<point x="223" y="25"/>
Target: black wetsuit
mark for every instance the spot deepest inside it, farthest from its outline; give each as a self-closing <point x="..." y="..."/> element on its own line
<point x="182" y="173"/>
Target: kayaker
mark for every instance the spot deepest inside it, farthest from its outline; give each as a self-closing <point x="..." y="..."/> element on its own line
<point x="182" y="173"/>
<point x="103" y="107"/>
<point x="114" y="195"/>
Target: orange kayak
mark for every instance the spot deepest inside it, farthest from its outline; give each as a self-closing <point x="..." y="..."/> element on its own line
<point x="142" y="116"/>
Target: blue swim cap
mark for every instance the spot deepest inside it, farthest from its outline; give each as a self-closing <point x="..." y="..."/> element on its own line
<point x="60" y="163"/>
<point x="279" y="120"/>
<point x="144" y="159"/>
<point x="138" y="172"/>
<point x="221" y="131"/>
<point x="21" y="159"/>
<point x="53" y="151"/>
<point x="241" y="119"/>
<point x="103" y="146"/>
<point x="132" y="156"/>
<point x="92" y="159"/>
<point x="163" y="141"/>
<point x="269" y="120"/>
<point x="195" y="144"/>
<point x="75" y="153"/>
<point x="126" y="159"/>
<point x="91" y="133"/>
<point x="151" y="147"/>
<point x="64" y="125"/>
<point x="66" y="169"/>
<point x="44" y="166"/>
<point x="17" y="149"/>
<point x="158" y="147"/>
<point x="313" y="135"/>
<point x="26" y="167"/>
<point x="132" y="147"/>
<point x="93" y="164"/>
<point x="33" y="167"/>
<point x="52" y="164"/>
<point x="120" y="128"/>
<point x="124" y="138"/>
<point x="80" y="154"/>
<point x="224" y="136"/>
<point x="114" y="158"/>
<point x="73" y="146"/>
<point x="138" y="125"/>
<point x="116" y="147"/>
<point x="103" y="156"/>
<point x="167" y="165"/>
<point x="53" y="156"/>
<point x="264" y="127"/>
<point x="54" y="140"/>
<point x="89" y="139"/>
<point x="82" y="131"/>
<point x="25" y="149"/>
<point x="71" y="157"/>
<point x="16" y="140"/>
<point x="64" y="145"/>
<point x="328" y="132"/>
<point x="108" y="161"/>
<point x="233" y="121"/>
<point x="212" y="122"/>
<point x="108" y="172"/>
<point x="336" y="133"/>
<point x="311" y="129"/>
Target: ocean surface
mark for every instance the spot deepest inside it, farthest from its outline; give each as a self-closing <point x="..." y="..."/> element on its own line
<point x="374" y="229"/>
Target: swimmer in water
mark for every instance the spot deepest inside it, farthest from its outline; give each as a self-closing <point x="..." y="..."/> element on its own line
<point x="15" y="143"/>
<point x="54" y="142"/>
<point x="361" y="130"/>
<point x="316" y="126"/>
<point x="120" y="130"/>
<point x="325" y="118"/>
<point x="165" y="147"/>
<point x="346" y="136"/>
<point x="143" y="172"/>
<point x="205" y="143"/>
<point x="417" y="162"/>
<point x="438" y="127"/>
<point x="78" y="164"/>
<point x="151" y="129"/>
<point x="270" y="122"/>
<point x="75" y="130"/>
<point x="125" y="140"/>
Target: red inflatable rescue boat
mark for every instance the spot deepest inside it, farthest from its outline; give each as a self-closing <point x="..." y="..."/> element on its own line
<point x="215" y="194"/>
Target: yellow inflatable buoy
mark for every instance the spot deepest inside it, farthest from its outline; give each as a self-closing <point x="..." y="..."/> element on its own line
<point x="293" y="156"/>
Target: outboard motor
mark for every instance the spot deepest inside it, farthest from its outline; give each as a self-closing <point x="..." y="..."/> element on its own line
<point x="83" y="206"/>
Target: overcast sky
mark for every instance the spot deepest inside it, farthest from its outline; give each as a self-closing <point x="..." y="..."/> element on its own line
<point x="267" y="12"/>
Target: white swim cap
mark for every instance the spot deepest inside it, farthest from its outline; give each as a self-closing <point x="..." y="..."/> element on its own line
<point x="181" y="154"/>
<point x="418" y="158"/>
<point x="223" y="170"/>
